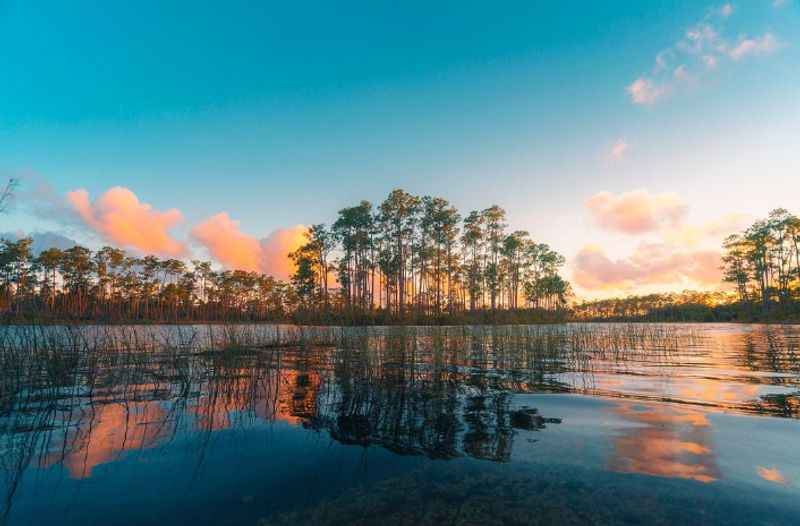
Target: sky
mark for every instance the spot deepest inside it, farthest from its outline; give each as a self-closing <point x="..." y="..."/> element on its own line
<point x="630" y="136"/>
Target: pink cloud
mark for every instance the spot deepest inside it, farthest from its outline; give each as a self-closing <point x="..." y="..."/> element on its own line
<point x="223" y="239"/>
<point x="636" y="212"/>
<point x="120" y="218"/>
<point x="650" y="264"/>
<point x="712" y="231"/>
<point x="619" y="149"/>
<point x="593" y="269"/>
<point x="645" y="91"/>
<point x="710" y="61"/>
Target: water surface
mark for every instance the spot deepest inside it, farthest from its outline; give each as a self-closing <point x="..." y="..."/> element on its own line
<point x="567" y="424"/>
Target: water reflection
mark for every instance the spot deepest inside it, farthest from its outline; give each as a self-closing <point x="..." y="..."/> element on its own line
<point x="102" y="432"/>
<point x="771" y="475"/>
<point x="665" y="441"/>
<point x="441" y="393"/>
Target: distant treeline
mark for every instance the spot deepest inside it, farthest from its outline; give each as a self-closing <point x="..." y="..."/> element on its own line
<point x="410" y="260"/>
<point x="762" y="263"/>
<point x="686" y="306"/>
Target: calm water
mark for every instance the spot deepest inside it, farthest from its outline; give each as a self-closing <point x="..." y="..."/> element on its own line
<point x="262" y="425"/>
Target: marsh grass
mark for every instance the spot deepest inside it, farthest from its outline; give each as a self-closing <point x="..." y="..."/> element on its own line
<point x="442" y="392"/>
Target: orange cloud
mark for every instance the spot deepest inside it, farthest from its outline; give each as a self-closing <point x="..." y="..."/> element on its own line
<point x="275" y="249"/>
<point x="670" y="442"/>
<point x="236" y="250"/>
<point x="771" y="475"/>
<point x="106" y="432"/>
<point x="636" y="212"/>
<point x="650" y="264"/>
<point x="227" y="244"/>
<point x="120" y="218"/>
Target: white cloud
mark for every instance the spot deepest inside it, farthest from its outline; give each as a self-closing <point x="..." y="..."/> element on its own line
<point x="703" y="47"/>
<point x="755" y="46"/>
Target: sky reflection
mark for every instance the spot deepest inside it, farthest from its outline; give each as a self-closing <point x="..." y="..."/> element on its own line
<point x="683" y="415"/>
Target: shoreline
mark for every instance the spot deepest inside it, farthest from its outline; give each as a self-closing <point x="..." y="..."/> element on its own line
<point x="77" y="323"/>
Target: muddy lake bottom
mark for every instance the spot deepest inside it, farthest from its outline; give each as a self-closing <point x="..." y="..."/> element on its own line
<point x="563" y="424"/>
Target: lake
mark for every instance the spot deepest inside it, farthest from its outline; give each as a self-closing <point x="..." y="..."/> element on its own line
<point x="273" y="425"/>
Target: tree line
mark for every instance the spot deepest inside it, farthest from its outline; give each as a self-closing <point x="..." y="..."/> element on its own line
<point x="408" y="259"/>
<point x="111" y="285"/>
<point x="673" y="306"/>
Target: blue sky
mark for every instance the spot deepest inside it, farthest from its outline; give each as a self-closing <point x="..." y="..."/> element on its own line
<point x="279" y="115"/>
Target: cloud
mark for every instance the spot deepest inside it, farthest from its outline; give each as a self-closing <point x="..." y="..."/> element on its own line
<point x="636" y="212"/>
<point x="121" y="219"/>
<point x="681" y="73"/>
<point x="227" y="244"/>
<point x="710" y="61"/>
<point x="673" y="254"/>
<point x="716" y="230"/>
<point x="700" y="50"/>
<point x="40" y="199"/>
<point x="275" y="249"/>
<point x="592" y="269"/>
<point x="223" y="239"/>
<point x="779" y="3"/>
<point x="650" y="264"/>
<point x="755" y="46"/>
<point x="644" y="91"/>
<point x="618" y="149"/>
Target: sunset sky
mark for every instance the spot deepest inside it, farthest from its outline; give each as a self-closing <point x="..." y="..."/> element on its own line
<point x="630" y="136"/>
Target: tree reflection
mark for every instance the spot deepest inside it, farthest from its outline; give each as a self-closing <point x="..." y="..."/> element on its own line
<point x="442" y="393"/>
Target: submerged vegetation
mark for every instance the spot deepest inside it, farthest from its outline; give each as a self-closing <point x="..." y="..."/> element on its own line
<point x="411" y="259"/>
